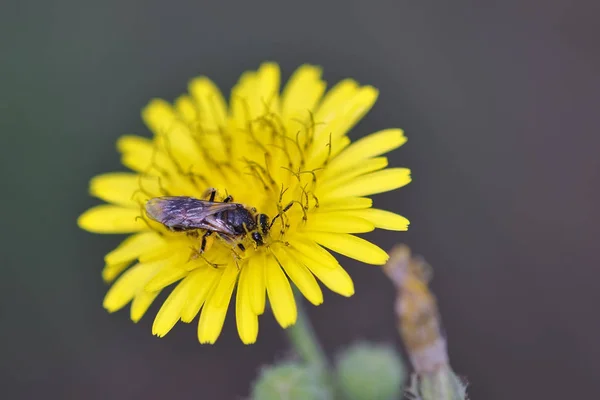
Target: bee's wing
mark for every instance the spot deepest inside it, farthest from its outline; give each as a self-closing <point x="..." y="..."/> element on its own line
<point x="184" y="212"/>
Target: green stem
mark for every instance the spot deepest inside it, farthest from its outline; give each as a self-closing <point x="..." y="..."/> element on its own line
<point x="304" y="341"/>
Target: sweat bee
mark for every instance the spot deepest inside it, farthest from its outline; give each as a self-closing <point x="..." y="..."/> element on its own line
<point x="228" y="220"/>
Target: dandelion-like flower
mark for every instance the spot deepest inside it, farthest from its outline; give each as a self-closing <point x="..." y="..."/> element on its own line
<point x="284" y="155"/>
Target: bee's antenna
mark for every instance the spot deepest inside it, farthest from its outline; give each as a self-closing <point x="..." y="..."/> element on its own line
<point x="279" y="214"/>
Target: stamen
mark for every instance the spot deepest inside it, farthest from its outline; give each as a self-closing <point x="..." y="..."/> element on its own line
<point x="250" y="129"/>
<point x="169" y="150"/>
<point x="227" y="141"/>
<point x="309" y="129"/>
<point x="267" y="104"/>
<point x="147" y="223"/>
<point x="254" y="164"/>
<point x="192" y="176"/>
<point x="154" y="165"/>
<point x="276" y="133"/>
<point x="281" y="193"/>
<point x="257" y="175"/>
<point x="141" y="188"/>
<point x="282" y="148"/>
<point x="300" y="172"/>
<point x="162" y="189"/>
<point x="328" y="151"/>
<point x="141" y="216"/>
<point x="267" y="163"/>
<point x="305" y="194"/>
<point x="316" y="199"/>
<point x="300" y="150"/>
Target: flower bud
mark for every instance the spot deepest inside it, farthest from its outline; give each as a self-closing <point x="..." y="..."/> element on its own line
<point x="291" y="381"/>
<point x="370" y="372"/>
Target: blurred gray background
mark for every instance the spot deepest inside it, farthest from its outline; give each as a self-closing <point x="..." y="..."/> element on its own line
<point x="499" y="101"/>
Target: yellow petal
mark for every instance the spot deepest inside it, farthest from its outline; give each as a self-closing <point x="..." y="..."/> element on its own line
<point x="140" y="304"/>
<point x="201" y="283"/>
<point x="341" y="222"/>
<point x="186" y="109"/>
<point x="129" y="143"/>
<point x="301" y="276"/>
<point x="370" y="146"/>
<point x="302" y="92"/>
<point x="224" y="288"/>
<point x="111" y="219"/>
<point x="166" y="276"/>
<point x="242" y="104"/>
<point x="336" y="99"/>
<point x="181" y="147"/>
<point x="117" y="188"/>
<point x="352" y="246"/>
<point x="130" y="283"/>
<point x="170" y="311"/>
<point x="382" y="219"/>
<point x="360" y="105"/>
<point x="312" y="250"/>
<point x="330" y="182"/>
<point x="171" y="246"/>
<point x="111" y="271"/>
<point x="210" y="102"/>
<point x="376" y="182"/>
<point x="133" y="246"/>
<point x="159" y="116"/>
<point x="320" y="154"/>
<point x="246" y="319"/>
<point x="280" y="294"/>
<point x="140" y="154"/>
<point x="349" y="112"/>
<point x="256" y="282"/>
<point x="255" y="94"/>
<point x="213" y="313"/>
<point x="346" y="203"/>
<point x="267" y="87"/>
<point x="334" y="277"/>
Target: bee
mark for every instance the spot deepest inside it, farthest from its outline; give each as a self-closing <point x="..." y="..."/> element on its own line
<point x="228" y="220"/>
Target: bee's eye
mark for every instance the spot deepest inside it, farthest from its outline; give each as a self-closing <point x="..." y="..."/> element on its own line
<point x="257" y="238"/>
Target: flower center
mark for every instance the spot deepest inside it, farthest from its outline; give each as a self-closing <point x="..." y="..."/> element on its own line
<point x="270" y="166"/>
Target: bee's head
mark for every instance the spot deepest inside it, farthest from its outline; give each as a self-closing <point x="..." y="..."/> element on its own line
<point x="258" y="239"/>
<point x="262" y="222"/>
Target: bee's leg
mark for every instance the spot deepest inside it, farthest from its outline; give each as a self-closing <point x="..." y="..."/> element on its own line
<point x="200" y="252"/>
<point x="196" y="254"/>
<point x="232" y="244"/>
<point x="235" y="261"/>
<point x="204" y="241"/>
<point x="210" y="193"/>
<point x="236" y="256"/>
<point x="228" y="198"/>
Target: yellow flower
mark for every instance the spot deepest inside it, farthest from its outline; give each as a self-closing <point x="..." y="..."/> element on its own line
<point x="267" y="150"/>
